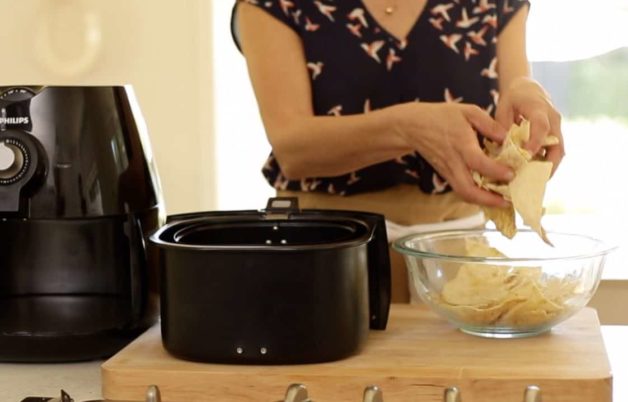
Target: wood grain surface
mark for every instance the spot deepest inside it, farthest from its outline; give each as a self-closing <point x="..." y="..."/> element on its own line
<point x="414" y="360"/>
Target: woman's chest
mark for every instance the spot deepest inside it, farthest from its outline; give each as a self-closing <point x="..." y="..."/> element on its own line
<point x="397" y="17"/>
<point x="352" y="55"/>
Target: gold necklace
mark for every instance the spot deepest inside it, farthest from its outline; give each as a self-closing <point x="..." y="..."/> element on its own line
<point x="389" y="10"/>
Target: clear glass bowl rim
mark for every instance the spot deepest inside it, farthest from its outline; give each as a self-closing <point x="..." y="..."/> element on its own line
<point x="399" y="245"/>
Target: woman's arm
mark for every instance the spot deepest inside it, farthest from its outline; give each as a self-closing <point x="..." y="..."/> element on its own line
<point x="521" y="95"/>
<point x="307" y="145"/>
<point x="511" y="51"/>
<point x="304" y="144"/>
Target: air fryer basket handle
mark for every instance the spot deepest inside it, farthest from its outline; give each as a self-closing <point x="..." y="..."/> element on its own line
<point x="379" y="272"/>
<point x="378" y="262"/>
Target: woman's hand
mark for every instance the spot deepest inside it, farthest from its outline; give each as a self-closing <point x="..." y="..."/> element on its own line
<point x="445" y="134"/>
<point x="525" y="97"/>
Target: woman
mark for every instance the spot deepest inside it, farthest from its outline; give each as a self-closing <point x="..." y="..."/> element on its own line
<point x="377" y="105"/>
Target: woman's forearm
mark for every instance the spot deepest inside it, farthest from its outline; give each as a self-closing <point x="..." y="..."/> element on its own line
<point x="511" y="51"/>
<point x="335" y="145"/>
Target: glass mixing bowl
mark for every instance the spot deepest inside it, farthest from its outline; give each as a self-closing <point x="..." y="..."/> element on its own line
<point x="488" y="285"/>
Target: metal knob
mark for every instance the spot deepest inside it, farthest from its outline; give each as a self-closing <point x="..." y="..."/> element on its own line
<point x="452" y="394"/>
<point x="373" y="394"/>
<point x="296" y="393"/>
<point x="532" y="394"/>
<point x="153" y="394"/>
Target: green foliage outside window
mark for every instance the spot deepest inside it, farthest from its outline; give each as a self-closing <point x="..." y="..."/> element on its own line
<point x="600" y="86"/>
<point x="589" y="88"/>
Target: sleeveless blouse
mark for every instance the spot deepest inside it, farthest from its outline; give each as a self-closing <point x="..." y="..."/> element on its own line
<point x="356" y="66"/>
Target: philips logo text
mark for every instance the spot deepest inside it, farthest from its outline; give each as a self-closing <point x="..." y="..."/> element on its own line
<point x="14" y="120"/>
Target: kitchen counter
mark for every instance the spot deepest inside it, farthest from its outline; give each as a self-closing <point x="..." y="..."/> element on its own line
<point x="82" y="380"/>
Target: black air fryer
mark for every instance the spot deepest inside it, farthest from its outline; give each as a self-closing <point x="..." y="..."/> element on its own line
<point x="78" y="195"/>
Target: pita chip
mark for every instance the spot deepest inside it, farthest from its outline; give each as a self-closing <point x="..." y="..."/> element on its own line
<point x="526" y="190"/>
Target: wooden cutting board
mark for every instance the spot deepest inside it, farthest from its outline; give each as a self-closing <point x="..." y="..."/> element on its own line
<point x="414" y="360"/>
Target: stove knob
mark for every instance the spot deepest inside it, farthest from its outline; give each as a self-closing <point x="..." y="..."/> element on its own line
<point x="13" y="161"/>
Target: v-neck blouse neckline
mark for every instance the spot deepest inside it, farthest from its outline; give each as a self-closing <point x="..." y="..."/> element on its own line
<point x="400" y="41"/>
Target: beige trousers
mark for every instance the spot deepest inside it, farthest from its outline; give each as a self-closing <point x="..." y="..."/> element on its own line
<point x="402" y="204"/>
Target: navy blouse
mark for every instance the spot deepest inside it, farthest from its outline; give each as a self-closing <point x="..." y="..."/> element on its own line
<point x="356" y="66"/>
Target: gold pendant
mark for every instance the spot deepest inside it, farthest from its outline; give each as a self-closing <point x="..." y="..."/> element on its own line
<point x="389" y="10"/>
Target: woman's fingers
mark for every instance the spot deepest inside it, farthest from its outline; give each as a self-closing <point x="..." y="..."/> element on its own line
<point x="469" y="149"/>
<point x="478" y="161"/>
<point x="463" y="184"/>
<point x="504" y="114"/>
<point x="540" y="128"/>
<point x="487" y="198"/>
<point x="545" y="121"/>
<point x="470" y="157"/>
<point x="556" y="153"/>
<point x="455" y="153"/>
<point x="484" y="123"/>
<point x="456" y="172"/>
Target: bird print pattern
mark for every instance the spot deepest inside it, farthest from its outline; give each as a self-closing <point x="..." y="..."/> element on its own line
<point x="356" y="66"/>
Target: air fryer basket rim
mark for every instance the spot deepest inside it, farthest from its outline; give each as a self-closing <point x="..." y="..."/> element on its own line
<point x="164" y="236"/>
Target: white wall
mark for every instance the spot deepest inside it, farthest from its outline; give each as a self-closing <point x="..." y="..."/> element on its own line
<point x="161" y="47"/>
<point x="241" y="145"/>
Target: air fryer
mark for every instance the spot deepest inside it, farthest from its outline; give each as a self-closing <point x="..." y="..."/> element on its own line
<point x="78" y="196"/>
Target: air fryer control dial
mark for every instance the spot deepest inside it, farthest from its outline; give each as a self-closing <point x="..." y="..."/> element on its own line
<point x="17" y="94"/>
<point x="7" y="157"/>
<point x="14" y="161"/>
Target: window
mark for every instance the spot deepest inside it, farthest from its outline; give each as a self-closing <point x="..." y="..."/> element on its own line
<point x="241" y="145"/>
<point x="579" y="52"/>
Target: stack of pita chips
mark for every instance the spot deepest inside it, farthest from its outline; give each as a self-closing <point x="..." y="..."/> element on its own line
<point x="526" y="190"/>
